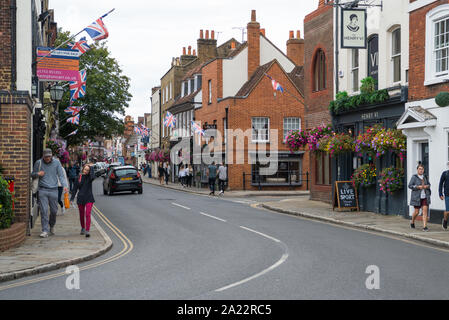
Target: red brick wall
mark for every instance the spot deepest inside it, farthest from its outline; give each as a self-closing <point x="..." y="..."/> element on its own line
<point x="12" y="237"/>
<point x="417" y="43"/>
<point x="5" y="47"/>
<point x="318" y="34"/>
<point x="261" y="102"/>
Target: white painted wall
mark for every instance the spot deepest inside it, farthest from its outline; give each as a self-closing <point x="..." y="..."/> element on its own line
<point x="379" y="22"/>
<point x="155" y="119"/>
<point x="24" y="45"/>
<point x="268" y="52"/>
<point x="235" y="73"/>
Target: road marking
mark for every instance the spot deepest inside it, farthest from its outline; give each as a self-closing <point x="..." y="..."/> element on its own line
<point x="178" y="205"/>
<point x="262" y="234"/>
<point x="213" y="217"/>
<point x="127" y="248"/>
<point x="265" y="271"/>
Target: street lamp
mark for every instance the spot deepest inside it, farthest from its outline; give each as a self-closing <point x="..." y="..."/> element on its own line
<point x="56" y="93"/>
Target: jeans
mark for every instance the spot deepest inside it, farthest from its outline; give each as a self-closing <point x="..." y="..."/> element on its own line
<point x="60" y="189"/>
<point x="221" y="184"/>
<point x="212" y="185"/>
<point x="72" y="183"/>
<point x="48" y="197"/>
<point x="85" y="210"/>
<point x="446" y="198"/>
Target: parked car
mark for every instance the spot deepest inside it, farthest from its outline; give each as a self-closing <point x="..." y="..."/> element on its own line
<point x="112" y="165"/>
<point x="122" y="178"/>
<point x="99" y="169"/>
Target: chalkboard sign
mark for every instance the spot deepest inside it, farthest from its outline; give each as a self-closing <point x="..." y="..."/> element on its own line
<point x="345" y="195"/>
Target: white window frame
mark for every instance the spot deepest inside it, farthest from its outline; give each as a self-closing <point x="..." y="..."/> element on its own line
<point x="354" y="69"/>
<point x="288" y="126"/>
<point x="432" y="17"/>
<point x="253" y="136"/>
<point x="396" y="55"/>
<point x="210" y="91"/>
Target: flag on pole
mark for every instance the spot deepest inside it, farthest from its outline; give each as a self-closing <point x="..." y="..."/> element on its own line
<point x="169" y="120"/>
<point x="74" y="120"/>
<point x="73" y="110"/>
<point x="277" y="86"/>
<point x="78" y="88"/>
<point x="73" y="133"/>
<point x="97" y="30"/>
<point x="197" y="128"/>
<point x="81" y="45"/>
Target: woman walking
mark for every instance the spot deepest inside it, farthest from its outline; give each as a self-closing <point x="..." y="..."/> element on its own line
<point x="420" y="198"/>
<point x="161" y="173"/>
<point x="85" y="199"/>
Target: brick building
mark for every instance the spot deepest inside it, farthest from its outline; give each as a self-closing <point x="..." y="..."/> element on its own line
<point x="319" y="90"/>
<point x="426" y="123"/>
<point x="237" y="95"/>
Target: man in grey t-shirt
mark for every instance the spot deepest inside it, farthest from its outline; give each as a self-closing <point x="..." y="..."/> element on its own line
<point x="222" y="177"/>
<point x="48" y="170"/>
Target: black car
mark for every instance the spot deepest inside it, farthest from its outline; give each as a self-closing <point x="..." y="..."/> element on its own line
<point x="122" y="178"/>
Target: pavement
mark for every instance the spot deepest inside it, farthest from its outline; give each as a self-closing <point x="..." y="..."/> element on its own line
<point x="66" y="247"/>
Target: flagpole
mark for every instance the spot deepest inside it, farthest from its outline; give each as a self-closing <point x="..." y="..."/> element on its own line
<point x="51" y="51"/>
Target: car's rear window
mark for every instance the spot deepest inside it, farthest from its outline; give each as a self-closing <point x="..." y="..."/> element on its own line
<point x="125" y="172"/>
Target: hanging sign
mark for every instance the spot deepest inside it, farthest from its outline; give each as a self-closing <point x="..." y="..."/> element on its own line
<point x="353" y="29"/>
<point x="59" y="65"/>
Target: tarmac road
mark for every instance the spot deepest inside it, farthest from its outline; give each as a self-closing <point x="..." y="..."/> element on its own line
<point x="176" y="245"/>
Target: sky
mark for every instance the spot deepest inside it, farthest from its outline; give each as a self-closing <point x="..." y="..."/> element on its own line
<point x="144" y="35"/>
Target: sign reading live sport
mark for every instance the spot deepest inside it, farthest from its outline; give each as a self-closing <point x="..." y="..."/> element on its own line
<point x="60" y="65"/>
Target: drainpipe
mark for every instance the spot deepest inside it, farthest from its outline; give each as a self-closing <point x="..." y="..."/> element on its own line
<point x="13" y="9"/>
<point x="226" y="145"/>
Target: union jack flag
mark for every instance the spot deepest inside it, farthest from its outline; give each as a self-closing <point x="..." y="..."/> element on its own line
<point x="276" y="86"/>
<point x="197" y="128"/>
<point x="73" y="110"/>
<point x="97" y="30"/>
<point x="78" y="88"/>
<point x="144" y="131"/>
<point x="169" y="120"/>
<point x="74" y="120"/>
<point x="81" y="45"/>
<point x="137" y="130"/>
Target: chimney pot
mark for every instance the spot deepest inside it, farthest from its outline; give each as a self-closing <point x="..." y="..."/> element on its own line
<point x="184" y="51"/>
<point x="232" y="45"/>
<point x="207" y="34"/>
<point x="253" y="15"/>
<point x="298" y="34"/>
<point x="194" y="52"/>
<point x="291" y="34"/>
<point x="201" y="34"/>
<point x="262" y="31"/>
<point x="190" y="50"/>
<point x="212" y="34"/>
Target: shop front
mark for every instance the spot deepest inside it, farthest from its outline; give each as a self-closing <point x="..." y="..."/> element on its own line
<point x="372" y="197"/>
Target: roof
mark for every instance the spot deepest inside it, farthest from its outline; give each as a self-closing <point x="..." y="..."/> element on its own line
<point x="238" y="50"/>
<point x="297" y="76"/>
<point x="193" y="71"/>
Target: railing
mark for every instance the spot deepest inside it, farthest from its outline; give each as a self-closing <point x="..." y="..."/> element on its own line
<point x="255" y="180"/>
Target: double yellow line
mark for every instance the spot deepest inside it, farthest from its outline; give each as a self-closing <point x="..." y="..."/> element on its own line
<point x="127" y="248"/>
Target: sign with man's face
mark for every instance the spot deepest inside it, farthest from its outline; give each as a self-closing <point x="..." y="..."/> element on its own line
<point x="353" y="28"/>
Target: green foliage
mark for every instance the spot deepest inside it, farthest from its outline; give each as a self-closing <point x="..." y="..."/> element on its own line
<point x="343" y="102"/>
<point x="6" y="201"/>
<point x="442" y="99"/>
<point x="107" y="96"/>
<point x="368" y="85"/>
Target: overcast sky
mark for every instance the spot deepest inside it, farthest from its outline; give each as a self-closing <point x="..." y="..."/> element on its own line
<point x="144" y="35"/>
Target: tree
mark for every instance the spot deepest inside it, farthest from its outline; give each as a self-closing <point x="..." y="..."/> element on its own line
<point x="107" y="94"/>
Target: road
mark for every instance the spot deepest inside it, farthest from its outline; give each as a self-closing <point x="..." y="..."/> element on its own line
<point x="176" y="245"/>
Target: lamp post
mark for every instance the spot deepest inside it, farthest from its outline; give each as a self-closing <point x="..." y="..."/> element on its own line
<point x="56" y="93"/>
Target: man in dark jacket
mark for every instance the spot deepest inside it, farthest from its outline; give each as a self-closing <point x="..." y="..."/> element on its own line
<point x="73" y="173"/>
<point x="443" y="190"/>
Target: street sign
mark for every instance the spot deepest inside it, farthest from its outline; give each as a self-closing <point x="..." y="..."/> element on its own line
<point x="60" y="65"/>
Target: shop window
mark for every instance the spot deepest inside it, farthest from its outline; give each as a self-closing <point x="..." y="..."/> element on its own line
<point x="289" y="172"/>
<point x="319" y="71"/>
<point x="322" y="169"/>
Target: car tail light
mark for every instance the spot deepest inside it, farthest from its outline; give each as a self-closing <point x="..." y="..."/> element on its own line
<point x="138" y="174"/>
<point x="112" y="176"/>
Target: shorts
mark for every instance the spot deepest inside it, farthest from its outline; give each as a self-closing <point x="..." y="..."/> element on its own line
<point x="447" y="202"/>
<point x="423" y="204"/>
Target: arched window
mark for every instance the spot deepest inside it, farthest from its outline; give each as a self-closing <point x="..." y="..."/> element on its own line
<point x="319" y="71"/>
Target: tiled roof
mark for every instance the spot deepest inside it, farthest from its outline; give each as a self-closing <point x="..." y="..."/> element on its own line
<point x="297" y="76"/>
<point x="187" y="98"/>
<point x="252" y="82"/>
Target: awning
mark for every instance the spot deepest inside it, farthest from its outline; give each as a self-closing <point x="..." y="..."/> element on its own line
<point x="416" y="117"/>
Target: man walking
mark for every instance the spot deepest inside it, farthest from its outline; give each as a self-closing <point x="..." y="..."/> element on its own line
<point x="222" y="177"/>
<point x="443" y="190"/>
<point x="212" y="173"/>
<point x="48" y="170"/>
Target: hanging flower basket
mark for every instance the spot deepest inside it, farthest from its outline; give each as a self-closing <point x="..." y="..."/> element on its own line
<point x="364" y="176"/>
<point x="391" y="180"/>
<point x="391" y="140"/>
<point x="363" y="142"/>
<point x="316" y="134"/>
<point x="297" y="139"/>
<point x="339" y="143"/>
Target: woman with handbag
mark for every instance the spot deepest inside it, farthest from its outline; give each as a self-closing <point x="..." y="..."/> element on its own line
<point x="85" y="199"/>
<point x="420" y="198"/>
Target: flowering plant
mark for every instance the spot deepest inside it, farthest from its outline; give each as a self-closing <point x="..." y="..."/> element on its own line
<point x="65" y="157"/>
<point x="391" y="140"/>
<point x="296" y="139"/>
<point x="316" y="134"/>
<point x="339" y="143"/>
<point x="364" y="140"/>
<point x="391" y="180"/>
<point x="55" y="147"/>
<point x="364" y="176"/>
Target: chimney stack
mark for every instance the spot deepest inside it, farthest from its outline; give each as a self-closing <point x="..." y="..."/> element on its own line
<point x="295" y="48"/>
<point x="253" y="32"/>
<point x="207" y="48"/>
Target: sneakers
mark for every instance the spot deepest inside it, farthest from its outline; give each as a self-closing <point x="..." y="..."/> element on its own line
<point x="52" y="231"/>
<point x="412" y="225"/>
<point x="425" y="229"/>
<point x="83" y="231"/>
<point x="44" y="235"/>
<point x="444" y="225"/>
<point x="87" y="234"/>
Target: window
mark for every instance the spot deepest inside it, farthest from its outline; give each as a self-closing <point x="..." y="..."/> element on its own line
<point x="199" y="82"/>
<point x="322" y="169"/>
<point x="319" y="71"/>
<point x="437" y="45"/>
<point x="260" y="129"/>
<point x="171" y="91"/>
<point x="355" y="70"/>
<point x="192" y="85"/>
<point x="289" y="172"/>
<point x="396" y="54"/>
<point x="210" y="91"/>
<point x="186" y="88"/>
<point x="291" y="124"/>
